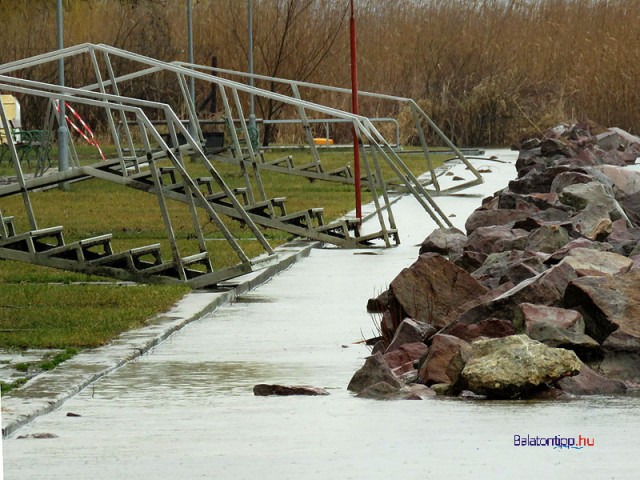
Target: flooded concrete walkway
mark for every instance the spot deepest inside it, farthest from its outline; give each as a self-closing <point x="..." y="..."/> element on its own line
<point x="186" y="409"/>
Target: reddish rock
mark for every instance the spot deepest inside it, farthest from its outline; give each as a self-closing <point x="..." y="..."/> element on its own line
<point x="470" y="261"/>
<point x="445" y="360"/>
<point x="631" y="206"/>
<point x="533" y="202"/>
<point x="622" y="238"/>
<point x="487" y="328"/>
<point x="548" y="217"/>
<point x="625" y="179"/>
<point x="379" y="391"/>
<point x="569" y="178"/>
<point x="388" y="326"/>
<point x="264" y="390"/>
<point x="445" y="241"/>
<point x="547" y="239"/>
<point x="410" y="331"/>
<point x="495" y="239"/>
<point x="521" y="271"/>
<point x="608" y="304"/>
<point x="409" y="352"/>
<point x="577" y="243"/>
<point x="378" y="304"/>
<point x="588" y="382"/>
<point x="545" y="289"/>
<point x="487" y="297"/>
<point x="496" y="266"/>
<point x="556" y="327"/>
<point x="589" y="262"/>
<point x="580" y="196"/>
<point x="594" y="222"/>
<point x="374" y="370"/>
<point x="537" y="181"/>
<point x="432" y="287"/>
<point x="487" y="218"/>
<point x="530" y="314"/>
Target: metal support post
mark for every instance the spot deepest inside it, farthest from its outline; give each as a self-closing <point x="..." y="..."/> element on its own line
<point x="63" y="131"/>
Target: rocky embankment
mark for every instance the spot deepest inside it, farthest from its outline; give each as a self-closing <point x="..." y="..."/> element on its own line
<point x="539" y="298"/>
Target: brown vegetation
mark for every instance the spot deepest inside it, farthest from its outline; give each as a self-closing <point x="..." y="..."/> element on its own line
<point x="488" y="72"/>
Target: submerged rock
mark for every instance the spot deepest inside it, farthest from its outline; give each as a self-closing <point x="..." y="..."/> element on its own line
<point x="588" y="382"/>
<point x="513" y="367"/>
<point x="384" y="391"/>
<point x="263" y="390"/>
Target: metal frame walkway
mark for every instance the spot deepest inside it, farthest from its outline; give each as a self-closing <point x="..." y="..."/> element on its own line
<point x="158" y="166"/>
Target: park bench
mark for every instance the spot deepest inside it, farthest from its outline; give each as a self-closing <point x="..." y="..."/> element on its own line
<point x="31" y="145"/>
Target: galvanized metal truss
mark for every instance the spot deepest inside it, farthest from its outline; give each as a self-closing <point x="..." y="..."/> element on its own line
<point x="420" y="118"/>
<point x="142" y="168"/>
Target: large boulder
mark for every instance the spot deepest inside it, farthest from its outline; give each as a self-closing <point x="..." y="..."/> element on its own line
<point x="374" y="370"/>
<point x="513" y="367"/>
<point x="608" y="304"/>
<point x="580" y="196"/>
<point x="432" y="287"/>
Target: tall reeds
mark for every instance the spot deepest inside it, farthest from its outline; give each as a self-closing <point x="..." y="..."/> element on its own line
<point x="488" y="72"/>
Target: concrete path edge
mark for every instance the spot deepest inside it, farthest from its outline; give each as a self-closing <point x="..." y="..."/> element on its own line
<point x="50" y="390"/>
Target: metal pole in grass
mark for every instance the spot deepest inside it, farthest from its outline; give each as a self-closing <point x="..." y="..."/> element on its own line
<point x="253" y="129"/>
<point x="1" y="441"/>
<point x="63" y="131"/>
<point x="192" y="80"/>
<point x="354" y="107"/>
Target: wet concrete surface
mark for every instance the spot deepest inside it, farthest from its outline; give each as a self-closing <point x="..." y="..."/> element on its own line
<point x="186" y="409"/>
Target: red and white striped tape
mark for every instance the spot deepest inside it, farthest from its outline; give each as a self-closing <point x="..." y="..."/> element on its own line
<point x="89" y="137"/>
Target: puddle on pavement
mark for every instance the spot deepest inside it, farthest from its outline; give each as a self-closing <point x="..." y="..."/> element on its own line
<point x="190" y="379"/>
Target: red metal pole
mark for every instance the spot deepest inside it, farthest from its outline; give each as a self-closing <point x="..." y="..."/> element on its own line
<point x="354" y="108"/>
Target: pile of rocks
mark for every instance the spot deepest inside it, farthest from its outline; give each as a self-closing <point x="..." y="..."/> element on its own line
<point x="538" y="297"/>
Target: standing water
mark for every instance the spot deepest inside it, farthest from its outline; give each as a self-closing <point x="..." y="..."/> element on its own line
<point x="186" y="410"/>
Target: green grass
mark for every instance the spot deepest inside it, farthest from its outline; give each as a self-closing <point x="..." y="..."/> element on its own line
<point x="46" y="308"/>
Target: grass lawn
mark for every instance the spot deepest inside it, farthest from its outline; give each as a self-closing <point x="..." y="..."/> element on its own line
<point x="45" y="308"/>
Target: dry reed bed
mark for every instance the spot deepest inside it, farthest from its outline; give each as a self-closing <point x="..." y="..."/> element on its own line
<point x="489" y="72"/>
